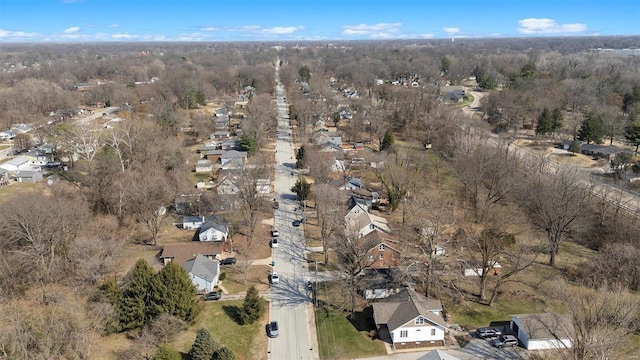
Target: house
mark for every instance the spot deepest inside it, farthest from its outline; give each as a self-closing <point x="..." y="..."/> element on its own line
<point x="542" y="331"/>
<point x="230" y="144"/>
<point x="384" y="254"/>
<point x="365" y="223"/>
<point x="352" y="183"/>
<point x="219" y="134"/>
<point x="356" y="210"/>
<point x="453" y="93"/>
<point x="180" y="252"/>
<point x="7" y="135"/>
<point x="204" y="272"/>
<point x="28" y="176"/>
<point x="408" y="319"/>
<point x="192" y="222"/>
<point x="474" y="269"/>
<point x="378" y="283"/>
<point x="214" y="229"/>
<point x="359" y="201"/>
<point x="227" y="187"/>
<point x="213" y="155"/>
<point x="18" y="163"/>
<point x="438" y="354"/>
<point x="233" y="159"/>
<point x="21" y="128"/>
<point x="334" y="138"/>
<point x="203" y="166"/>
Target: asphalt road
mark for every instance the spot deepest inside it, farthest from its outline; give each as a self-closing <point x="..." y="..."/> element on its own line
<point x="289" y="299"/>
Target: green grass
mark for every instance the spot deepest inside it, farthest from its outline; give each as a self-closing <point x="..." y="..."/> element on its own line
<point x="218" y="318"/>
<point x="338" y="338"/>
<point x="474" y="315"/>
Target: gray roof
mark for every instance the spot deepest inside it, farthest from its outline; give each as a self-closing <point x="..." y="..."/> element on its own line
<point x="214" y="222"/>
<point x="404" y="306"/>
<point x="545" y="326"/>
<point x="194" y="219"/>
<point x="202" y="266"/>
<point x="18" y="160"/>
<point x="234" y="154"/>
<point x="203" y="162"/>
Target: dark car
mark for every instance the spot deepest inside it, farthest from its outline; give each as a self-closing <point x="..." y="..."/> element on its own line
<point x="487" y="333"/>
<point x="214" y="295"/>
<point x="272" y="329"/>
<point x="505" y="341"/>
<point x="228" y="261"/>
<point x="296" y="223"/>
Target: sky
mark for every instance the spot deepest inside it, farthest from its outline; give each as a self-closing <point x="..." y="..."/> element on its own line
<point x="299" y="20"/>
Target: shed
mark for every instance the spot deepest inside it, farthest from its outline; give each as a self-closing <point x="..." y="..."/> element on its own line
<point x="28" y="176"/>
<point x="542" y="331"/>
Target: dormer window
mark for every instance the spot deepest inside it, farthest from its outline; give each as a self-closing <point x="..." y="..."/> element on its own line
<point x="420" y="321"/>
<point x="381" y="247"/>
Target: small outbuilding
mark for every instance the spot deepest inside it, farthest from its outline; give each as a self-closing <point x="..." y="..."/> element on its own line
<point x="542" y="331"/>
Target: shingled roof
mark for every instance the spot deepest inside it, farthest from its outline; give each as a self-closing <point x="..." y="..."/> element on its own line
<point x="183" y="251"/>
<point x="403" y="307"/>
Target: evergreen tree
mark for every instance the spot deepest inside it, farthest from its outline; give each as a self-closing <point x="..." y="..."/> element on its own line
<point x="632" y="134"/>
<point x="252" y="308"/>
<point x="445" y="64"/>
<point x="302" y="188"/>
<point x="223" y="353"/>
<point x="135" y="305"/>
<point x="545" y="123"/>
<point x="204" y="346"/>
<point x="388" y="140"/>
<point x="575" y="146"/>
<point x="592" y="129"/>
<point x="111" y="293"/>
<point x="300" y="153"/>
<point x="173" y="293"/>
<point x="556" y="120"/>
<point x="305" y="73"/>
<point x="248" y="144"/>
<point x="166" y="352"/>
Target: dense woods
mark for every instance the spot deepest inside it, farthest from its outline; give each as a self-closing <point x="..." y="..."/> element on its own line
<point x="61" y="275"/>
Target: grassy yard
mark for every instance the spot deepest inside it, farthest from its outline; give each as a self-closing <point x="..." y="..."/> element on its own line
<point x="339" y="338"/>
<point x="246" y="341"/>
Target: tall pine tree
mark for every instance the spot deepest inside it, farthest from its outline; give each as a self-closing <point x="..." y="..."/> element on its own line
<point x="252" y="308"/>
<point x="173" y="293"/>
<point x="545" y="123"/>
<point x="223" y="353"/>
<point x="592" y="129"/>
<point x="135" y="304"/>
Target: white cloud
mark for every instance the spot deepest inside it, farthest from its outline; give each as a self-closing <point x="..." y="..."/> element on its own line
<point x="547" y="26"/>
<point x="123" y="36"/>
<point x="14" y="35"/>
<point x="113" y="25"/>
<point x="427" y="36"/>
<point x="282" y="30"/>
<point x="379" y="30"/>
<point x="451" y="30"/>
<point x="71" y="30"/>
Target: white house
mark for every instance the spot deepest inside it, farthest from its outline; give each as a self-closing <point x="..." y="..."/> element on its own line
<point x="28" y="176"/>
<point x="7" y="135"/>
<point x="542" y="331"/>
<point x="233" y="159"/>
<point x="18" y="163"/>
<point x="214" y="229"/>
<point x="204" y="272"/>
<point x="192" y="222"/>
<point x="408" y="319"/>
<point x="204" y="166"/>
<point x="363" y="223"/>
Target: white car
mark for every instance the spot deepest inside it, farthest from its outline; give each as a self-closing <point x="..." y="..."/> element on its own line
<point x="275" y="279"/>
<point x="274" y="242"/>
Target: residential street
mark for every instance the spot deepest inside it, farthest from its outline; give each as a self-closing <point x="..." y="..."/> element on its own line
<point x="290" y="304"/>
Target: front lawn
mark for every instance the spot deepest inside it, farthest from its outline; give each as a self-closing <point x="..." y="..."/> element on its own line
<point x="339" y="338"/>
<point x="246" y="341"/>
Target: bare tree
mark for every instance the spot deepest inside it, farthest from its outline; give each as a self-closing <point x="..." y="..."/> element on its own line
<point x="261" y="120"/>
<point x="600" y="320"/>
<point x="399" y="175"/>
<point x="40" y="229"/>
<point x="328" y="205"/>
<point x="253" y="200"/>
<point x="351" y="251"/>
<point x="556" y="200"/>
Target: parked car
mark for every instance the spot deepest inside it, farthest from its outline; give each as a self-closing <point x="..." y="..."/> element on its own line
<point x="272" y="329"/>
<point x="487" y="332"/>
<point x="505" y="341"/>
<point x="274" y="242"/>
<point x="275" y="232"/>
<point x="275" y="279"/>
<point x="276" y="205"/>
<point x="228" y="261"/>
<point x="214" y="295"/>
<point x="296" y="223"/>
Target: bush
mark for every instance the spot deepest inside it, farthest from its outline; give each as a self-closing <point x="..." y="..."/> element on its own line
<point x="166" y="352"/>
<point x="222" y="276"/>
<point x="252" y="308"/>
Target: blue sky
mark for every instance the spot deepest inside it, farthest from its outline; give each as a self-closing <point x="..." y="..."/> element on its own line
<point x="274" y="20"/>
